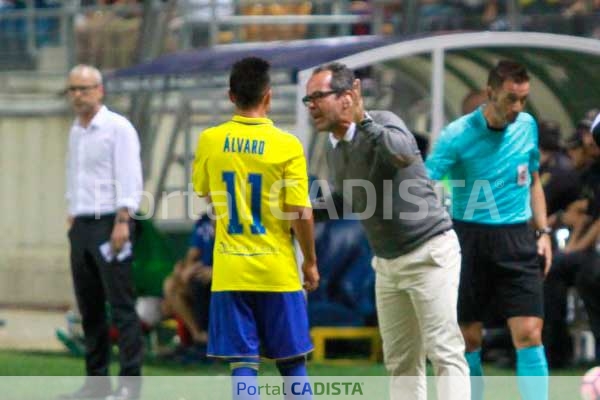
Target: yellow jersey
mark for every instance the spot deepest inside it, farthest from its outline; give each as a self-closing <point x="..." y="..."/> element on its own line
<point x="250" y="169"/>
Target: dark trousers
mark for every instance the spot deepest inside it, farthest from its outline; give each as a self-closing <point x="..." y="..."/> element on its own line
<point x="200" y="296"/>
<point x="579" y="269"/>
<point x="96" y="282"/>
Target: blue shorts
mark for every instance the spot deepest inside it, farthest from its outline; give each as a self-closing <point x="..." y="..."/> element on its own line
<point x="243" y="323"/>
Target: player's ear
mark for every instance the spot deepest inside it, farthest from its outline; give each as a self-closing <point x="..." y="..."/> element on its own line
<point x="267" y="98"/>
<point x="231" y="97"/>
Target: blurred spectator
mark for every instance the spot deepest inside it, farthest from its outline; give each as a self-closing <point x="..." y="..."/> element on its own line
<point x="540" y="7"/>
<point x="580" y="8"/>
<point x="108" y="36"/>
<point x="361" y="7"/>
<point x="479" y="13"/>
<point x="187" y="290"/>
<point x="581" y="18"/>
<point x="578" y="264"/>
<point x="390" y="12"/>
<point x="472" y="100"/>
<point x="559" y="178"/>
<point x="576" y="152"/>
<point x="279" y="31"/>
<point x="435" y="15"/>
<point x="202" y="15"/>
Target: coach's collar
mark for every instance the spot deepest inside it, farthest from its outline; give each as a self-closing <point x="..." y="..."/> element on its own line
<point x="348" y="136"/>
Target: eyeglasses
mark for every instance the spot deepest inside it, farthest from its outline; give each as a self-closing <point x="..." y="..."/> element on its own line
<point x="82" y="89"/>
<point x="310" y="98"/>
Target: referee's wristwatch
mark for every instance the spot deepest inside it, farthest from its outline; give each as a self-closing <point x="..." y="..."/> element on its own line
<point x="543" y="231"/>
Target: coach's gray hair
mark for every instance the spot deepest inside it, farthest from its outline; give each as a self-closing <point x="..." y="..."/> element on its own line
<point x="342" y="77"/>
<point x="87" y="70"/>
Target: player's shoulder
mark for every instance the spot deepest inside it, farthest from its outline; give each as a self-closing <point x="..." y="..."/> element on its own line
<point x="526" y="119"/>
<point x="525" y="126"/>
<point x="460" y="126"/>
<point x="287" y="139"/>
<point x="216" y="131"/>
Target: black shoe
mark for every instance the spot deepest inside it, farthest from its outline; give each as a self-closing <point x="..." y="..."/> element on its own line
<point x="87" y="392"/>
<point x="124" y="393"/>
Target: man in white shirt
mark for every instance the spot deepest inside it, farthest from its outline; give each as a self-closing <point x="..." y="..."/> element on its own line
<point x="104" y="185"/>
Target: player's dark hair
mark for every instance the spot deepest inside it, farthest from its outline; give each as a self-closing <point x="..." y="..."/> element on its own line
<point x="342" y="77"/>
<point x="249" y="81"/>
<point x="507" y="70"/>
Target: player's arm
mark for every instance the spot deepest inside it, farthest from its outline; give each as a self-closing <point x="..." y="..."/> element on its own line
<point x="303" y="227"/>
<point x="296" y="201"/>
<point x="540" y="220"/>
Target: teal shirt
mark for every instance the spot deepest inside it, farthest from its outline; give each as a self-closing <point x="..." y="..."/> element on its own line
<point x="489" y="170"/>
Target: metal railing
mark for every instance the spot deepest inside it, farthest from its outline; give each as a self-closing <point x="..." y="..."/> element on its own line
<point x="117" y="36"/>
<point x="94" y="34"/>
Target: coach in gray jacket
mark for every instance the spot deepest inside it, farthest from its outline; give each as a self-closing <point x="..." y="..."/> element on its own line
<point x="379" y="176"/>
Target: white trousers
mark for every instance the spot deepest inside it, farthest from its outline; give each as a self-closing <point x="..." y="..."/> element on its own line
<point x="416" y="306"/>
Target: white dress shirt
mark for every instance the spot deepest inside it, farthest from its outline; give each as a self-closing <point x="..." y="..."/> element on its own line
<point x="348" y="136"/>
<point x="104" y="169"/>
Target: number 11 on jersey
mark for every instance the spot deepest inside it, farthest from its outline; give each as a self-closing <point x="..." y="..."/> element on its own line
<point x="255" y="182"/>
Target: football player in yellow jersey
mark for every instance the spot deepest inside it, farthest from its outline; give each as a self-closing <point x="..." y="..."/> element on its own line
<point x="256" y="177"/>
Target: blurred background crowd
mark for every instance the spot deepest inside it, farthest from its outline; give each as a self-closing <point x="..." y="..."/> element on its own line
<point x="107" y="33"/>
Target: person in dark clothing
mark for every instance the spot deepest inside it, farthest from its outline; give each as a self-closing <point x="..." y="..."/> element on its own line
<point x="559" y="178"/>
<point x="578" y="264"/>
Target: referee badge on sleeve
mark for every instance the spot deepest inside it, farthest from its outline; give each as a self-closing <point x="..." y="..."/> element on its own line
<point x="522" y="175"/>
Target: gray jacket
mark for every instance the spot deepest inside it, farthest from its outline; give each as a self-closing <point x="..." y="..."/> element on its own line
<point x="380" y="175"/>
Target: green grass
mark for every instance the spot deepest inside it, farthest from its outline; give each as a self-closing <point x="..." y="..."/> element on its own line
<point x="18" y="363"/>
<point x="60" y="364"/>
<point x="66" y="371"/>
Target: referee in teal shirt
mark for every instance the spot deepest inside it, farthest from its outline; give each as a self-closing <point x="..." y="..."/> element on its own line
<point x="491" y="157"/>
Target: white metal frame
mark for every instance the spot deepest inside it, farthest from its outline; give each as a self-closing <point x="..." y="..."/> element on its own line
<point x="438" y="45"/>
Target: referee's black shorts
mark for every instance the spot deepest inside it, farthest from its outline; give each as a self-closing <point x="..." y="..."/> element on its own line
<point x="501" y="272"/>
